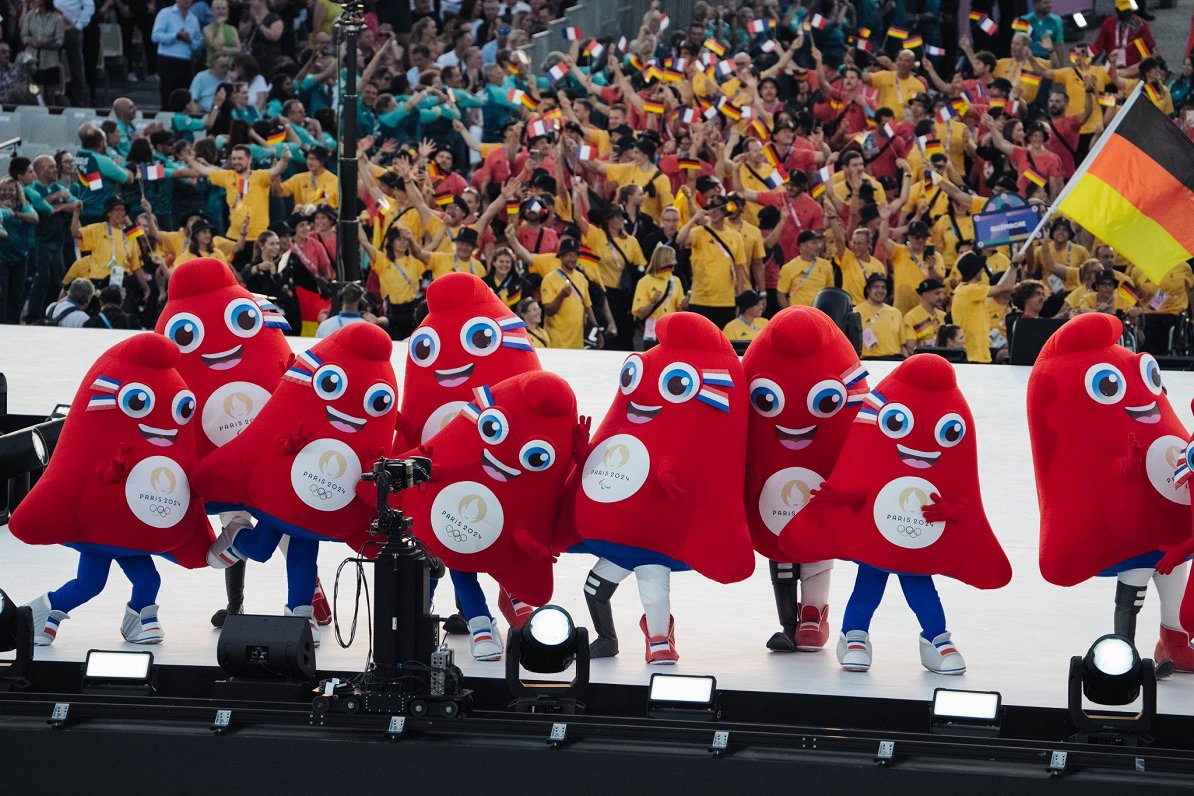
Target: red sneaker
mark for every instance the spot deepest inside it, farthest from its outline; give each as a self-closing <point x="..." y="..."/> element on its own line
<point x="813" y="631"/>
<point x="661" y="650"/>
<point x="1174" y="645"/>
<point x="516" y="611"/>
<point x="319" y="602"/>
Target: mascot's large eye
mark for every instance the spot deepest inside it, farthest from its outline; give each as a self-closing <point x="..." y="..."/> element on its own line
<point x="679" y="382"/>
<point x="424" y="346"/>
<point x="950" y="430"/>
<point x="895" y="420"/>
<point x="183" y="407"/>
<point x="536" y="455"/>
<point x="330" y="382"/>
<point x="243" y="317"/>
<point x="136" y="400"/>
<point x="379" y="399"/>
<point x="1150" y="371"/>
<point x="631" y="374"/>
<point x="826" y="398"/>
<point x="481" y="336"/>
<point x="186" y="331"/>
<point x="766" y="397"/>
<point x="493" y="426"/>
<point x="1105" y="383"/>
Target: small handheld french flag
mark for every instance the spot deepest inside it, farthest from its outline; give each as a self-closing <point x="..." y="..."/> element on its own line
<point x="558" y="72"/>
<point x="572" y="34"/>
<point x="585" y="152"/>
<point x="155" y="171"/>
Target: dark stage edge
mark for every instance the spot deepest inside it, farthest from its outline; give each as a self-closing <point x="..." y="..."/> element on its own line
<point x="777" y="741"/>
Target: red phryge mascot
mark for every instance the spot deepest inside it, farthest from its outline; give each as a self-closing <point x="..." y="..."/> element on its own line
<point x="296" y="467"/>
<point x="233" y="356"/>
<point x="661" y="487"/>
<point x="118" y="486"/>
<point x="805" y="385"/>
<point x="469" y="339"/>
<point x="1092" y="402"/>
<point x="904" y="499"/>
<point x="498" y="476"/>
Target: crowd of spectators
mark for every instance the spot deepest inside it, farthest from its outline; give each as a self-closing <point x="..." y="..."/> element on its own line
<point x="730" y="164"/>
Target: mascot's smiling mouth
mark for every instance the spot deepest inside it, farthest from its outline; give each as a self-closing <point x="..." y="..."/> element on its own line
<point x="225" y="359"/>
<point x="1144" y="414"/>
<point x="161" y="437"/>
<point x="455" y="376"/>
<point x="342" y="422"/>
<point x="637" y="413"/>
<point x="795" y="439"/>
<point x="922" y="460"/>
<point x="496" y="470"/>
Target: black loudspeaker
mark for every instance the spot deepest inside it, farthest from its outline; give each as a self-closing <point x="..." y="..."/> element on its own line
<point x="1028" y="338"/>
<point x="266" y="647"/>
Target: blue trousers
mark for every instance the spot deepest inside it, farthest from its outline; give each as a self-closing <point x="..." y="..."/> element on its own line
<point x="94" y="566"/>
<point x="919" y="591"/>
<point x="302" y="557"/>
<point x="468" y="594"/>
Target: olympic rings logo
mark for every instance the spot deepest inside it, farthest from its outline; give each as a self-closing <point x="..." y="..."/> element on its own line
<point x="911" y="531"/>
<point x="158" y="510"/>
<point x="458" y="535"/>
<point x="320" y="492"/>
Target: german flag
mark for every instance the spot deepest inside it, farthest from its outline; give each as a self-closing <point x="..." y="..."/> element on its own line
<point x="1135" y="190"/>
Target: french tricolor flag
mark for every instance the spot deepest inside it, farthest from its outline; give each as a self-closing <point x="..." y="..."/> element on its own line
<point x="558" y="72"/>
<point x="572" y="34"/>
<point x="586" y="152"/>
<point x="153" y="172"/>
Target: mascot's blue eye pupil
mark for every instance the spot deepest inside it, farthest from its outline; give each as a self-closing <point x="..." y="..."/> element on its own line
<point x="537" y="459"/>
<point x="627" y="376"/>
<point x="895" y="421"/>
<point x="829" y="401"/>
<point x="764" y="400"/>
<point x="481" y="337"/>
<point x="491" y="428"/>
<point x="186" y="408"/>
<point x="245" y="319"/>
<point x="329" y="382"/>
<point x="381" y="402"/>
<point x="185" y="334"/>
<point x="677" y="385"/>
<point x="1107" y="384"/>
<point x="422" y="348"/>
<point x="952" y="432"/>
<point x="137" y="401"/>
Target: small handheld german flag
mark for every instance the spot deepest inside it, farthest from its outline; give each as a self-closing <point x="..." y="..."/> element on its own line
<point x="1034" y="178"/>
<point x="1020" y="25"/>
<point x="587" y="256"/>
<point x="1107" y="100"/>
<point x="933" y="147"/>
<point x="1029" y="79"/>
<point x="712" y="46"/>
<point x="276" y="138"/>
<point x="134" y="232"/>
<point x="1127" y="293"/>
<point x="653" y="107"/>
<point x="444" y="199"/>
<point x="912" y="42"/>
<point x="897" y="33"/>
<point x="512" y="208"/>
<point x="1142" y="48"/>
<point x="690" y="164"/>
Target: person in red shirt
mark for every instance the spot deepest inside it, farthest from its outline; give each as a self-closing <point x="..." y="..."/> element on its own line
<point x="1064" y="130"/>
<point x="797" y="152"/>
<point x="497" y="166"/>
<point x="1118" y="35"/>
<point x="1035" y="157"/>
<point x="881" y="152"/>
<point x="847" y="108"/>
<point x="448" y="181"/>
<point x="798" y="212"/>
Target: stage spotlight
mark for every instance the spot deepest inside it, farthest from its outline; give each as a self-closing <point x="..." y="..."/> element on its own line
<point x="683" y="696"/>
<point x="1112" y="673"/>
<point x="265" y="657"/>
<point x="16" y="635"/>
<point x="549" y="643"/>
<point x="966" y="712"/>
<point x="124" y="673"/>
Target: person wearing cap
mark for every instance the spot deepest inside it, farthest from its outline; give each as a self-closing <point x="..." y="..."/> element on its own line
<point x="750" y="321"/>
<point x="658" y="293"/>
<point x="882" y="324"/>
<point x="912" y="263"/>
<point x="459" y="261"/>
<point x="617" y="252"/>
<point x="927" y="199"/>
<point x="400" y="275"/>
<point x="752" y="238"/>
<point x="687" y="202"/>
<point x="202" y="243"/>
<point x="718" y="261"/>
<point x="802" y="278"/>
<point x="969" y="306"/>
<point x="1118" y="35"/>
<point x="247" y="190"/>
<point x="1106" y="297"/>
<point x="922" y="322"/>
<point x="897" y="86"/>
<point x="315" y="186"/>
<point x="566" y="302"/>
<point x="642" y="171"/>
<point x="108" y="255"/>
<point x="856" y="262"/>
<point x="753" y="170"/>
<point x="956" y="225"/>
<point x="446" y="180"/>
<point x="1058" y="259"/>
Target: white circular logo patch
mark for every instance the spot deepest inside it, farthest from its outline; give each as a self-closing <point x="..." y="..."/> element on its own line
<point x="467" y="517"/>
<point x="1163" y="457"/>
<point x="158" y="492"/>
<point x="898" y="516"/>
<point x="325" y="474"/>
<point x="616" y="469"/>
<point x="440" y="418"/>
<point x="784" y="494"/>
<point x="230" y="409"/>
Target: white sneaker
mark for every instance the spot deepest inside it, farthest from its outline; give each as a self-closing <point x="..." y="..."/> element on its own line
<point x="45" y="621"/>
<point x="854" y="651"/>
<point x="223" y="553"/>
<point x="940" y="656"/>
<point x="309" y="613"/>
<point x="143" y="627"/>
<point x="485" y="642"/>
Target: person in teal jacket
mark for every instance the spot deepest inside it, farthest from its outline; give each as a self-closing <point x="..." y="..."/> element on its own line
<point x="101" y="174"/>
<point x="19" y="222"/>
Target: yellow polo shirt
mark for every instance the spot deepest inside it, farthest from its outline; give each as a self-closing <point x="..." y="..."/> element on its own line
<point x="251" y="197"/>
<point x="307" y="189"/>
<point x="631" y="174"/>
<point x="399" y="280"/>
<point x="442" y="263"/>
<point x="566" y="328"/>
<point x="713" y="266"/>
<point x="855" y="274"/>
<point x="802" y="280"/>
<point x="970" y="313"/>
<point x="886" y="330"/>
<point x="920" y="327"/>
<point x="739" y="329"/>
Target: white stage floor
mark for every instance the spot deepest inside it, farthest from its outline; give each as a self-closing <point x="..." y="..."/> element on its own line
<point x="1017" y="640"/>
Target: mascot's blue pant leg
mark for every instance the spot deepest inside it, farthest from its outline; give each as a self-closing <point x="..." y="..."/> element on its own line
<point x="922" y="598"/>
<point x="868" y="593"/>
<point x="469" y="594"/>
<point x="302" y="569"/>
<point x="260" y="542"/>
<point x="92" y="576"/>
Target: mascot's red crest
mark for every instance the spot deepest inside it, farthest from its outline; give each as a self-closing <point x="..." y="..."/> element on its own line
<point x="666" y="468"/>
<point x="904" y="495"/>
<point x="805" y="385"/>
<point x="498" y="476"/>
<point x="1105" y="447"/>
<point x="120" y="472"/>
<point x="468" y="339"/>
<point x="301" y="460"/>
<point x="233" y="350"/>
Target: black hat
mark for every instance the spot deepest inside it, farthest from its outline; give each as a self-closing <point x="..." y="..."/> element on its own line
<point x="747" y="299"/>
<point x="707" y="182"/>
<point x="467" y="236"/>
<point x="868" y="213"/>
<point x="969" y="265"/>
<point x="874" y="279"/>
<point x="768" y="218"/>
<point x="717" y="202"/>
<point x="929" y="284"/>
<point x="201" y="225"/>
<point x="918" y="229"/>
<point x="645" y="146"/>
<point x="1105" y="276"/>
<point x="390" y="179"/>
<point x="568" y="246"/>
<point x="298" y="218"/>
<point x="326" y="210"/>
<point x="281" y="229"/>
<point x="112" y="204"/>
<point x="923" y="99"/>
<point x="622" y="131"/>
<point x="612" y="211"/>
<point x="807" y="235"/>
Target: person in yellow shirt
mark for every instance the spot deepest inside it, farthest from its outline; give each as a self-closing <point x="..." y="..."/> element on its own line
<point x="1106" y="297"/>
<point x="1059" y="260"/>
<point x="1024" y="71"/>
<point x="969" y="308"/>
<point x="753" y="174"/>
<point x="718" y="261"/>
<point x="204" y="243"/>
<point x="565" y="295"/>
<point x="856" y="263"/>
<point x="530" y="311"/>
<point x="247" y="189"/>
<point x="913" y="262"/>
<point x="459" y="261"/>
<point x="641" y="171"/>
<point x="1086" y="277"/>
<point x="315" y="186"/>
<point x="617" y="252"/>
<point x="802" y="278"/>
<point x="750" y="321"/>
<point x="1074" y="79"/>
<point x="924" y="321"/>
<point x="1164" y="302"/>
<point x="882" y="324"/>
<point x="400" y="273"/>
<point x="658" y="293"/>
<point x="897" y="86"/>
<point x="849" y="181"/>
<point x="752" y="238"/>
<point x="109" y="254"/>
